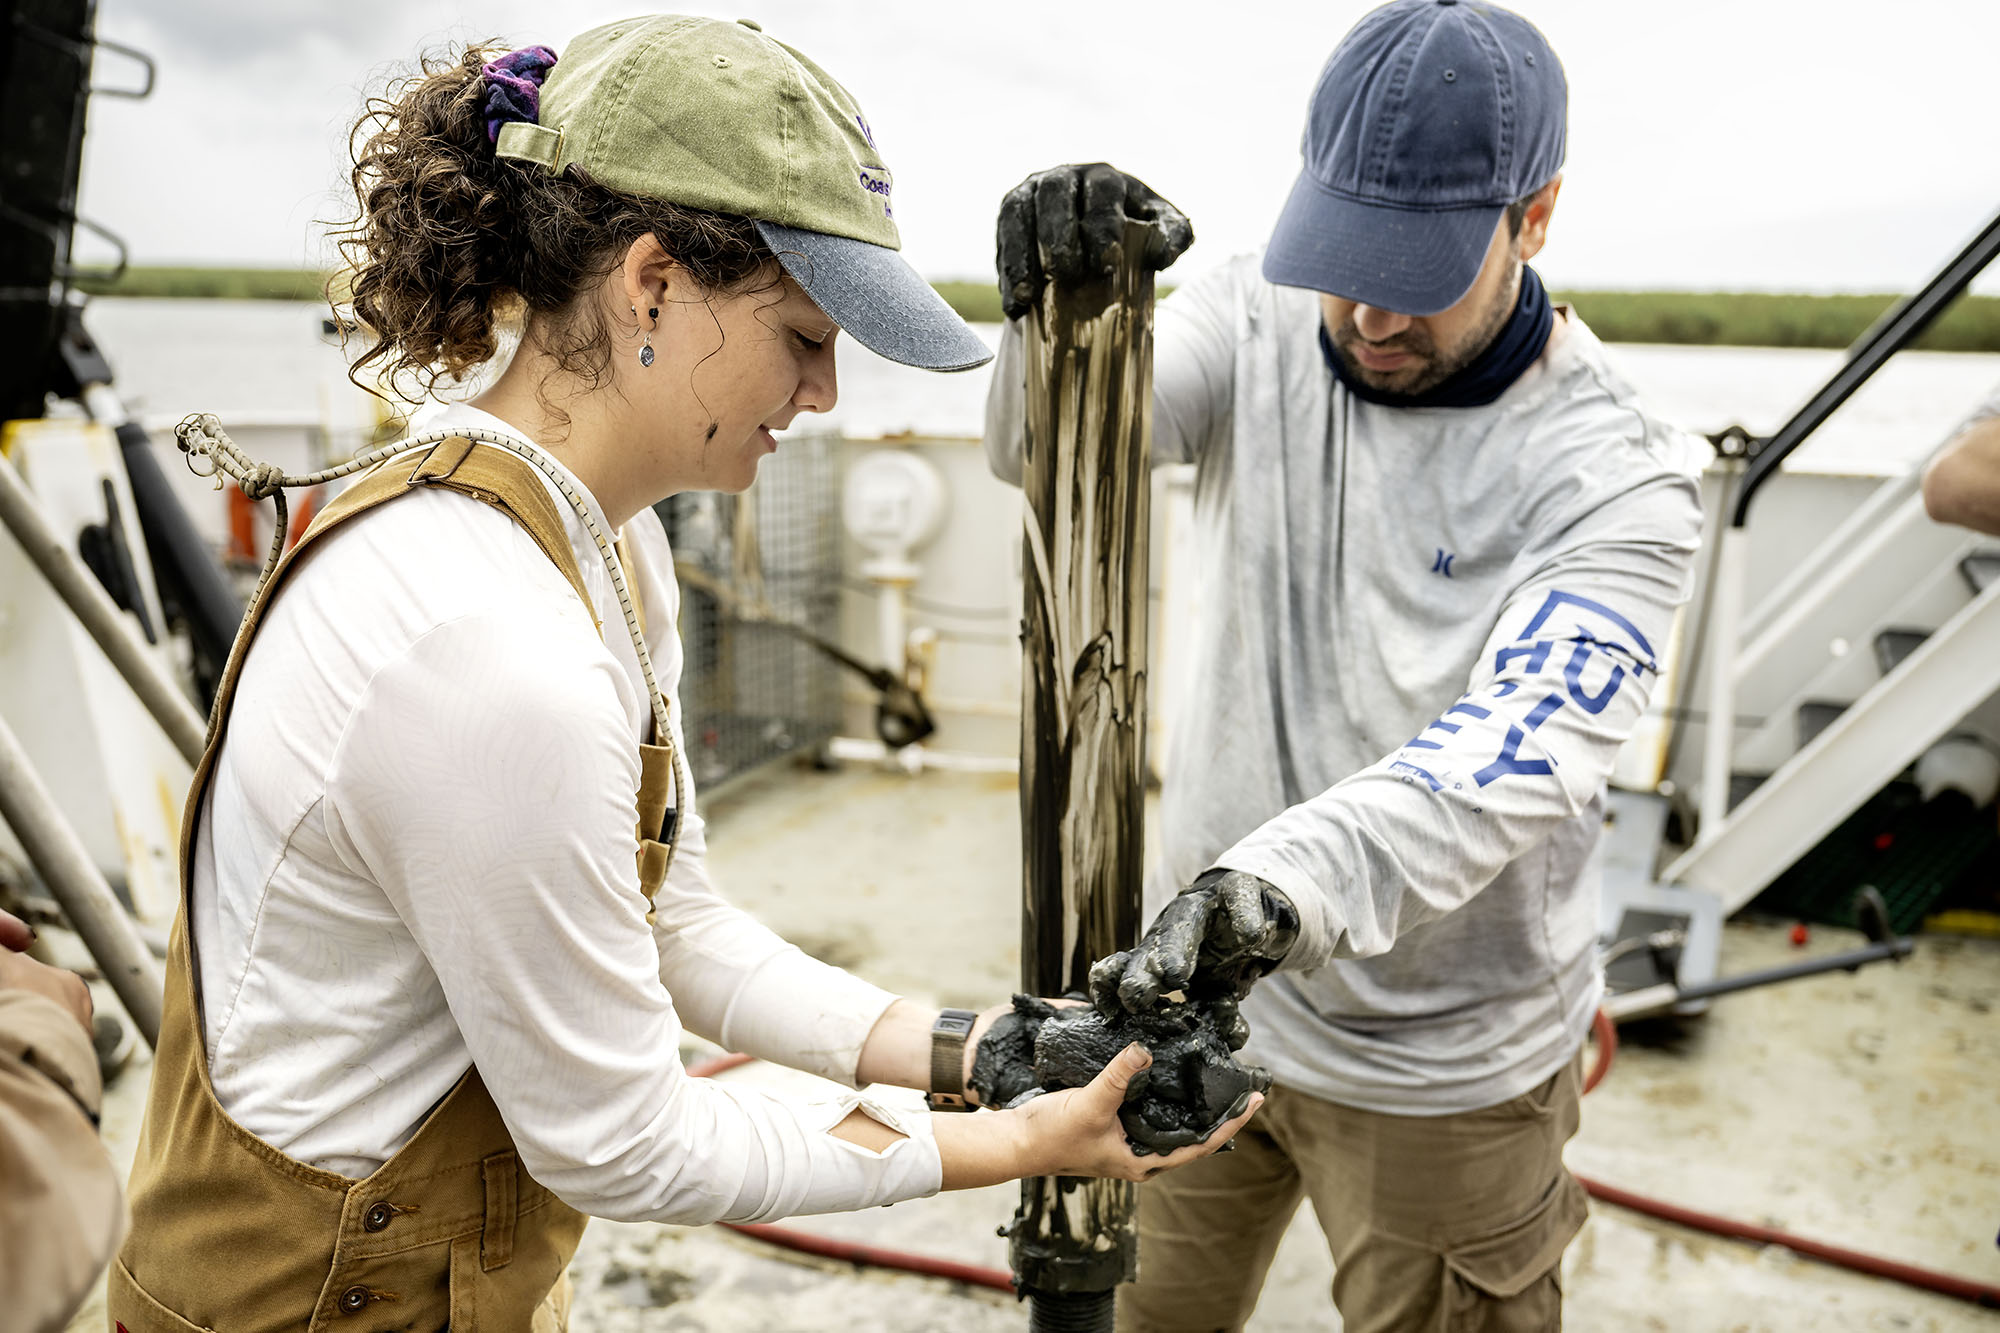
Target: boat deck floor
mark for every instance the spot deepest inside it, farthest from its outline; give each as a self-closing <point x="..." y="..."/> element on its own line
<point x="1857" y="1109"/>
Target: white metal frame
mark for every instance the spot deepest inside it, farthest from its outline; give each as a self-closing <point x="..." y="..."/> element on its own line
<point x="1742" y="851"/>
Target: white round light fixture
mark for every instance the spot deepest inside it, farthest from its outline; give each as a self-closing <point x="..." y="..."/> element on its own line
<point x="893" y="503"/>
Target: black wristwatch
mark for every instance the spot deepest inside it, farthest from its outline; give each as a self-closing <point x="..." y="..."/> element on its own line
<point x="948" y="1037"/>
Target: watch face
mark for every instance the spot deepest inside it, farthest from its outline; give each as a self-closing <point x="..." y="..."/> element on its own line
<point x="948" y="1038"/>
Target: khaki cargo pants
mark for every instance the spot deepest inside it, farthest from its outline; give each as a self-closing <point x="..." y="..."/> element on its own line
<point x="1436" y="1224"/>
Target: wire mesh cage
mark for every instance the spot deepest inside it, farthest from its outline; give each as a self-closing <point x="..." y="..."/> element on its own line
<point x="752" y="691"/>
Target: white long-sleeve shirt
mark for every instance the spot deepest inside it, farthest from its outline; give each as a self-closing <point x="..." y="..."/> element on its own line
<point x="1425" y="633"/>
<point x="417" y="854"/>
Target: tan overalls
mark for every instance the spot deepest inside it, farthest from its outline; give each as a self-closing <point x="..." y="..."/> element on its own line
<point x="230" y="1234"/>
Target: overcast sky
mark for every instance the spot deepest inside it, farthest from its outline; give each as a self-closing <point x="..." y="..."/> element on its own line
<point x="1755" y="144"/>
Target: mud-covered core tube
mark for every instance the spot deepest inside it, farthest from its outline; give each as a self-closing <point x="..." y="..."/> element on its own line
<point x="1088" y="383"/>
<point x="1073" y="1312"/>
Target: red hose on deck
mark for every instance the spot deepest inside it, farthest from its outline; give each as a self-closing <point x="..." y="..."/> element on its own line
<point x="1606" y="1032"/>
<point x="1945" y="1284"/>
<point x="807" y="1243"/>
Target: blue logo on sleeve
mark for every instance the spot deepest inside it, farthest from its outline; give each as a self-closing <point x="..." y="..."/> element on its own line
<point x="1598" y="639"/>
<point x="1442" y="565"/>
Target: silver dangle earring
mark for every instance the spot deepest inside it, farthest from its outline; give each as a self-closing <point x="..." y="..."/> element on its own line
<point x="646" y="351"/>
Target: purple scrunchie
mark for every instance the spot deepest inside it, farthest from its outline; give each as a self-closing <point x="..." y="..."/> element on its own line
<point x="514" y="88"/>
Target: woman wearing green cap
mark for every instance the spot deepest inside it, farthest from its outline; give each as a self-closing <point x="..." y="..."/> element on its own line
<point x="445" y="909"/>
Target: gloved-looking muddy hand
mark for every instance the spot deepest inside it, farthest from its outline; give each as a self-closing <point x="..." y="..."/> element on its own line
<point x="1077" y="213"/>
<point x="1193" y="1086"/>
<point x="1215" y="939"/>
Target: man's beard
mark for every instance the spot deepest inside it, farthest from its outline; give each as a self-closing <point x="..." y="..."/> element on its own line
<point x="1432" y="366"/>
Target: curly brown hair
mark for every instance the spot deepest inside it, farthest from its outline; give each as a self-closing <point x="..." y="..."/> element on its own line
<point x="447" y="241"/>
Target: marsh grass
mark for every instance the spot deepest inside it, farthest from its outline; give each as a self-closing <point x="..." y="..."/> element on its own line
<point x="1728" y="319"/>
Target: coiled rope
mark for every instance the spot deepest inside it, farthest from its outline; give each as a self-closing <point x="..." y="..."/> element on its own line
<point x="211" y="453"/>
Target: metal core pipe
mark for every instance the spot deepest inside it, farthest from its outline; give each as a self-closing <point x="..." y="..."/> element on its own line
<point x="59" y="857"/>
<point x="98" y="614"/>
<point x="1725" y="628"/>
<point x="1087" y="481"/>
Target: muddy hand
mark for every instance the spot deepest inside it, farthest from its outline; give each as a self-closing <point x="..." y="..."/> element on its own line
<point x="1085" y="1137"/>
<point x="1076" y="215"/>
<point x="1215" y="938"/>
<point x="1003" y="1056"/>
<point x="1001" y="1064"/>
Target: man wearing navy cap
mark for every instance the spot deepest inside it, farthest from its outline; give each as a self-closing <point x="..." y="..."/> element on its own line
<point x="1438" y="550"/>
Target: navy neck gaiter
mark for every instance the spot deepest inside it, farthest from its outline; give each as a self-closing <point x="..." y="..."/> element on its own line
<point x="1487" y="376"/>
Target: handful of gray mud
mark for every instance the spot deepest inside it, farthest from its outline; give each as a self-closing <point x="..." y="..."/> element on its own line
<point x="1194" y="1084"/>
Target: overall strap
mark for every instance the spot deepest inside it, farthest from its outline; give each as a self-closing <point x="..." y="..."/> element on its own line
<point x="481" y="472"/>
<point x="485" y="474"/>
<point x="496" y="478"/>
<point x="211" y="452"/>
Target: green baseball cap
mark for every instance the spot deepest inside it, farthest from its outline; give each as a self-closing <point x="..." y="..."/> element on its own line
<point x="716" y="115"/>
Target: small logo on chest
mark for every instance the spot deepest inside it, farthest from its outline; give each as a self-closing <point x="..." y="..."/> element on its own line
<point x="1442" y="565"/>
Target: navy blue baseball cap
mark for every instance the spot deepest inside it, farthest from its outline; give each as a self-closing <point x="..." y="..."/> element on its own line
<point x="1430" y="118"/>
